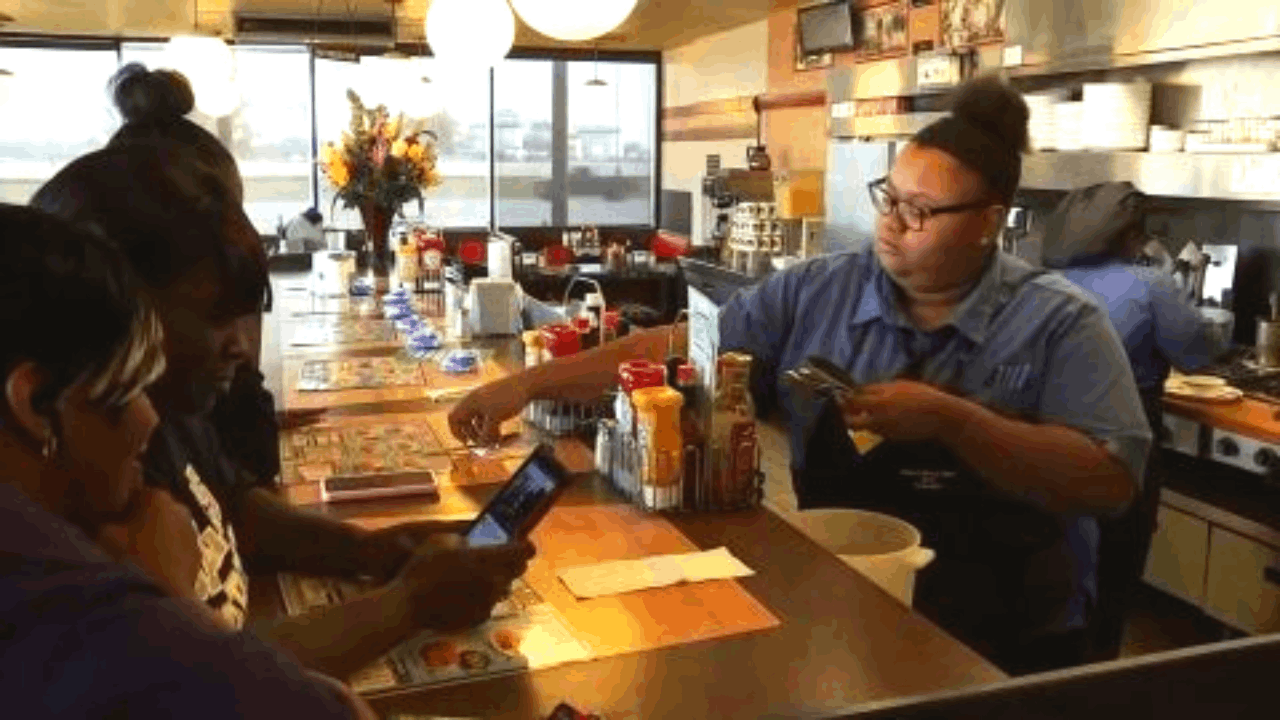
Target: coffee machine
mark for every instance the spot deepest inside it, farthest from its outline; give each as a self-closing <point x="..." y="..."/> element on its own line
<point x="722" y="191"/>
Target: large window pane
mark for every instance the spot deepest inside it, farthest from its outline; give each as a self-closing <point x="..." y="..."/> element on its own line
<point x="523" y="141"/>
<point x="57" y="109"/>
<point x="268" y="133"/>
<point x="611" y="136"/>
<point x="457" y="112"/>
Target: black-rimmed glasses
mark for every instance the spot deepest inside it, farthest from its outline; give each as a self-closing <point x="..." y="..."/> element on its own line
<point x="912" y="215"/>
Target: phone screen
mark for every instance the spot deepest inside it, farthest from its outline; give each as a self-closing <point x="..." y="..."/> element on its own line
<point x="502" y="521"/>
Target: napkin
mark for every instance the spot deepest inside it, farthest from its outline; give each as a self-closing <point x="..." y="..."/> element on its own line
<point x="624" y="576"/>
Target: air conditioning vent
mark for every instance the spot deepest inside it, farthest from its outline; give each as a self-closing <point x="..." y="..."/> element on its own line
<point x="365" y="30"/>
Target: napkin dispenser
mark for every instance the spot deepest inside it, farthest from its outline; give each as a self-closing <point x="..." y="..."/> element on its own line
<point x="495" y="307"/>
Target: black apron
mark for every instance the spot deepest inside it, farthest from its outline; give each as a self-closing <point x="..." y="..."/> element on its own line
<point x="1003" y="572"/>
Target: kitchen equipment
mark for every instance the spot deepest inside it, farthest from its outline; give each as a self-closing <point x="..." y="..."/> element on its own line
<point x="1068" y="118"/>
<point x="883" y="548"/>
<point x="1269" y="336"/>
<point x="851" y="218"/>
<point x="495" y="307"/>
<point x="499" y="255"/>
<point x="1222" y="324"/>
<point x="1219" y="272"/>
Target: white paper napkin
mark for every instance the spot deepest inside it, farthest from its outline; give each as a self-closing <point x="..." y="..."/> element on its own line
<point x="623" y="576"/>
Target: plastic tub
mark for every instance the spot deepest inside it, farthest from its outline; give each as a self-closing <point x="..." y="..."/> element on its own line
<point x="883" y="548"/>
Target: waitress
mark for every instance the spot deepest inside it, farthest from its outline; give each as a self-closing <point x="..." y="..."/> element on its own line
<point x="1006" y="411"/>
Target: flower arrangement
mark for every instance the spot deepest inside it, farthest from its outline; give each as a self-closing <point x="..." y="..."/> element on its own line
<point x="381" y="161"/>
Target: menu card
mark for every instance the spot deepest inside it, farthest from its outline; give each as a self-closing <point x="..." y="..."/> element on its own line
<point x="623" y="576"/>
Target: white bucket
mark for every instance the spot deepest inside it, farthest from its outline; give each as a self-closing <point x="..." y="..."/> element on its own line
<point x="883" y="548"/>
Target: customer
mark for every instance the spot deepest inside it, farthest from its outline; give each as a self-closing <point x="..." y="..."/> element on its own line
<point x="1009" y="410"/>
<point x="154" y="105"/>
<point x="84" y="635"/>
<point x="1095" y="238"/>
<point x="196" y="251"/>
<point x="305" y="233"/>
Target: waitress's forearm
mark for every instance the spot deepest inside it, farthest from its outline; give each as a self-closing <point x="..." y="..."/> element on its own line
<point x="1054" y="467"/>
<point x="588" y="375"/>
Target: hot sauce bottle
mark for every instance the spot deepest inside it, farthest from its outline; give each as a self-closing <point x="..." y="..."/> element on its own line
<point x="733" y="467"/>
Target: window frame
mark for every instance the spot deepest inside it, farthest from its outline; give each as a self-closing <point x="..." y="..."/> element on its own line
<point x="560" y="98"/>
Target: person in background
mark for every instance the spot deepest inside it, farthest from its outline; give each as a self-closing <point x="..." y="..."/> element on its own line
<point x="190" y="242"/>
<point x="1095" y="238"/>
<point x="1008" y="415"/>
<point x="305" y="233"/>
<point x="106" y="628"/>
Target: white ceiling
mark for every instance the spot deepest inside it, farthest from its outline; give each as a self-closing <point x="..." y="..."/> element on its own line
<point x="655" y="24"/>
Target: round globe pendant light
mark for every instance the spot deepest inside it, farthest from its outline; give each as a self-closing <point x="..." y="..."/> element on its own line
<point x="573" y="19"/>
<point x="470" y="35"/>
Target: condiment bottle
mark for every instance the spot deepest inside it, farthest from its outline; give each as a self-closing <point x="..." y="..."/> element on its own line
<point x="661" y="450"/>
<point x="559" y="341"/>
<point x="611" y="320"/>
<point x="407" y="263"/>
<point x="586" y="338"/>
<point x="632" y="375"/>
<point x="593" y="306"/>
<point x="733" y="465"/>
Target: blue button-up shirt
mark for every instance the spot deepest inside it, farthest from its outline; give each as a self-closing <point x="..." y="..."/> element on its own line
<point x="1156" y="321"/>
<point x="1023" y="343"/>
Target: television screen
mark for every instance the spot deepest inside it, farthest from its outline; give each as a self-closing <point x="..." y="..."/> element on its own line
<point x="825" y="28"/>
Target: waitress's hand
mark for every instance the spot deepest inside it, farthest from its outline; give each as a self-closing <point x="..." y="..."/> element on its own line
<point x="901" y="410"/>
<point x="477" y="418"/>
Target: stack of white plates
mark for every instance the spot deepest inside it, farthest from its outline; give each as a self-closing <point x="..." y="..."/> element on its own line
<point x="1116" y="115"/>
<point x="1069" y="116"/>
<point x="1041" y="123"/>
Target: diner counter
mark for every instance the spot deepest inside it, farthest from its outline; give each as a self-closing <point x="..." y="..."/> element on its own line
<point x="1253" y="418"/>
<point x="835" y="638"/>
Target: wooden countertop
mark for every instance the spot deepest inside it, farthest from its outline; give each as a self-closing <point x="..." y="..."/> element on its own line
<point x="1249" y="417"/>
<point x="842" y="640"/>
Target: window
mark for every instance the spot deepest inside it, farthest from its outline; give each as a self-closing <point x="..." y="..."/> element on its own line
<point x="523" y="142"/>
<point x="610" y="144"/>
<point x="458" y="113"/>
<point x="57" y="110"/>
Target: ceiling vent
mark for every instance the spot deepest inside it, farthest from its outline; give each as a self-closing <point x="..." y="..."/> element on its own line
<point x="360" y="30"/>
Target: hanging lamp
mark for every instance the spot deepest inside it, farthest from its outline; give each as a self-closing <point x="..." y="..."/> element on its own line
<point x="573" y="19"/>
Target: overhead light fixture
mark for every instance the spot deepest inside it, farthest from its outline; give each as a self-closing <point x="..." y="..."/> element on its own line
<point x="6" y="79"/>
<point x="210" y="66"/>
<point x="470" y="35"/>
<point x="596" y="81"/>
<point x="573" y="19"/>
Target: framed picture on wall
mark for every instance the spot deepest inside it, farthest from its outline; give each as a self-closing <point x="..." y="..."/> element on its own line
<point x="969" y="22"/>
<point x="884" y="29"/>
<point x="812" y="61"/>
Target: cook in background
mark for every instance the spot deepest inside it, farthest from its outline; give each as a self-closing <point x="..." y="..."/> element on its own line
<point x="1008" y="409"/>
<point x="182" y="227"/>
<point x="116" y="618"/>
<point x="1095" y="237"/>
<point x="305" y="233"/>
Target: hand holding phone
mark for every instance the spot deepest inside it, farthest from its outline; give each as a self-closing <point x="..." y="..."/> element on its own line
<point x="451" y="586"/>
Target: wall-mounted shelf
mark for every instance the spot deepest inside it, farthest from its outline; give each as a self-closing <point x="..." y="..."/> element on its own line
<point x="883" y="125"/>
<point x="1093" y="63"/>
<point x="1189" y="175"/>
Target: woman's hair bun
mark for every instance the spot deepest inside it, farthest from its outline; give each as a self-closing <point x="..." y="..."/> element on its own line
<point x="151" y="96"/>
<point x="995" y="107"/>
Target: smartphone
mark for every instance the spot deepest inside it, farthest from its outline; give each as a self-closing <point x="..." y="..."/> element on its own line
<point x="340" y="488"/>
<point x="522" y="502"/>
<point x="818" y="373"/>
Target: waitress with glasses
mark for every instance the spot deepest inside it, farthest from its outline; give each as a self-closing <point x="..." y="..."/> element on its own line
<point x="1005" y="409"/>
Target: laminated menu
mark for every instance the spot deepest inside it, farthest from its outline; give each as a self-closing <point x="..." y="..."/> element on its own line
<point x="358" y="373"/>
<point x="523" y="633"/>
<point x="344" y="330"/>
<point x="319" y="452"/>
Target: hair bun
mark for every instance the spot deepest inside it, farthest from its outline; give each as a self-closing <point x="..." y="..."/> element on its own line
<point x="151" y="96"/>
<point x="993" y="106"/>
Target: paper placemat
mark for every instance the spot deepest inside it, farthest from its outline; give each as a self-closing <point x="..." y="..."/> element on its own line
<point x="623" y="576"/>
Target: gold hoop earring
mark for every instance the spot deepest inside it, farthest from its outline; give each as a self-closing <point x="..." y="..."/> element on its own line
<point x="50" y="448"/>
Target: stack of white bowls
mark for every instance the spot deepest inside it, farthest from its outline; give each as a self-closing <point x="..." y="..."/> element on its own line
<point x="1116" y="115"/>
<point x="1069" y="120"/>
<point x="1166" y="139"/>
<point x="1041" y="125"/>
